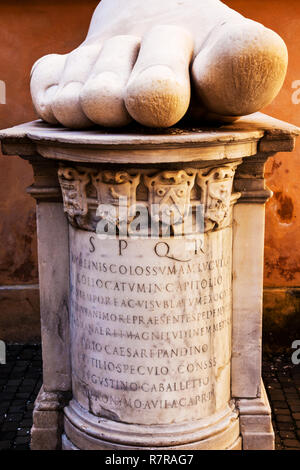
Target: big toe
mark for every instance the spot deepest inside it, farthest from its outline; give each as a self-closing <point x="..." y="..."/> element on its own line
<point x="240" y="69"/>
<point x="158" y="91"/>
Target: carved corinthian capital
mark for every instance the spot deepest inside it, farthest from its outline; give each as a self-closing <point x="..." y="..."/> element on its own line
<point x="169" y="196"/>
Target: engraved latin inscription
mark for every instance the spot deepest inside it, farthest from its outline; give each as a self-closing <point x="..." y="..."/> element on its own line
<point x="151" y="326"/>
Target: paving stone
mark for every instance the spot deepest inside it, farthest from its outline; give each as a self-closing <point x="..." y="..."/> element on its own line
<point x="279" y="411"/>
<point x="23" y="396"/>
<point x="287" y="434"/>
<point x="6" y="436"/>
<point x="4" y="445"/>
<point x="5" y="369"/>
<point x="22" y="363"/>
<point x="26" y="423"/>
<point x="6" y="396"/>
<point x="16" y="408"/>
<point x="22" y="447"/>
<point x="280" y="403"/>
<point x="28" y="388"/>
<point x="15" y="347"/>
<point x="11" y="389"/>
<point x="292" y="443"/>
<point x="4" y="405"/>
<point x="8" y="427"/>
<point x="18" y="370"/>
<point x="277" y="396"/>
<point x="286" y="426"/>
<point x="21" y="440"/>
<point x="14" y="417"/>
<point x="18" y="375"/>
<point x="29" y="382"/>
<point x="36" y="364"/>
<point x="284" y="419"/>
<point x="295" y="408"/>
<point x="292" y="403"/>
<point x="26" y="432"/>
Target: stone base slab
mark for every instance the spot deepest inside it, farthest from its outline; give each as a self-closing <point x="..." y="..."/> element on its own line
<point x="256" y="423"/>
<point x="47" y="429"/>
<point x="250" y="429"/>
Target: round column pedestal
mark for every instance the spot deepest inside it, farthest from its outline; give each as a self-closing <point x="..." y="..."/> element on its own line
<point x="150" y="306"/>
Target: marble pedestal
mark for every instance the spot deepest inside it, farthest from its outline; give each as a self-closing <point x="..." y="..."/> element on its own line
<point x="151" y="342"/>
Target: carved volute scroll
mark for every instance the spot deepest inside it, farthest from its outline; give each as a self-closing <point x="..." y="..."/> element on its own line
<point x="73" y="184"/>
<point x="216" y="194"/>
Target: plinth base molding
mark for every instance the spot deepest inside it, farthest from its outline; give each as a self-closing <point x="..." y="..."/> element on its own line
<point x="87" y="432"/>
<point x="256" y="422"/>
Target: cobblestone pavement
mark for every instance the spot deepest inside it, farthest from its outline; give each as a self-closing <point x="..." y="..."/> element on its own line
<point x="282" y="382"/>
<point x="20" y="382"/>
<point x="21" y="379"/>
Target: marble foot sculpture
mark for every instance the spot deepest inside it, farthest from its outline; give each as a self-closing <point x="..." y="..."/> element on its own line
<point x="151" y="61"/>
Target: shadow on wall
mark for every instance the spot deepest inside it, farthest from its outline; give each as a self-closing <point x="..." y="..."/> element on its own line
<point x="281" y="322"/>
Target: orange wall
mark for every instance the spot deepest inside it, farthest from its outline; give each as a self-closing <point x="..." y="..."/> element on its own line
<point x="30" y="29"/>
<point x="282" y="243"/>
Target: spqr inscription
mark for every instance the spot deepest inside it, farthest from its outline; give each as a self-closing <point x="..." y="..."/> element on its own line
<point x="151" y="326"/>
